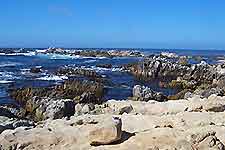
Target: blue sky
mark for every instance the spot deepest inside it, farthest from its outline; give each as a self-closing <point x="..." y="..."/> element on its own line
<point x="192" y="24"/>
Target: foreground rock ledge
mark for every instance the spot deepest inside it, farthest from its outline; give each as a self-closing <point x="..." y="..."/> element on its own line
<point x="194" y="124"/>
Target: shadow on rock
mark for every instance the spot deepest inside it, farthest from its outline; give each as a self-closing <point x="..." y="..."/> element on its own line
<point x="124" y="137"/>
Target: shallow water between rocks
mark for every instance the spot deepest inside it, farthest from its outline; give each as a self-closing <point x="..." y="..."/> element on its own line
<point x="14" y="70"/>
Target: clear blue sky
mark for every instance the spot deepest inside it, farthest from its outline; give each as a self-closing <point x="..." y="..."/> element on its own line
<point x="197" y="24"/>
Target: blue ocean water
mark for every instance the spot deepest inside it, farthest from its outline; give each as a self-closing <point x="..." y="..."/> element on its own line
<point x="14" y="68"/>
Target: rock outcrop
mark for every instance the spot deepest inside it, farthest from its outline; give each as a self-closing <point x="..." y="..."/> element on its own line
<point x="180" y="76"/>
<point x="8" y="120"/>
<point x="194" y="123"/>
<point x="183" y="130"/>
<point x="93" y="53"/>
<point x="142" y="93"/>
<point x="59" y="101"/>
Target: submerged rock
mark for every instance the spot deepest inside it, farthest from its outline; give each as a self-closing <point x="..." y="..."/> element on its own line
<point x="104" y="65"/>
<point x="36" y="70"/>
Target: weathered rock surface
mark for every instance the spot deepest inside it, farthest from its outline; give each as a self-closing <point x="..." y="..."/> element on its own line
<point x="142" y="93"/>
<point x="9" y="121"/>
<point x="108" y="132"/>
<point x="196" y="123"/>
<point x="206" y="78"/>
<point x="59" y="101"/>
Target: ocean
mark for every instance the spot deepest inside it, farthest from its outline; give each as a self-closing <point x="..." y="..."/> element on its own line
<point x="15" y="65"/>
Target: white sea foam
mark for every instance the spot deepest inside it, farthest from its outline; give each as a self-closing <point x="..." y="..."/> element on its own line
<point x="90" y="61"/>
<point x="41" y="51"/>
<point x="8" y="76"/>
<point x="100" y="69"/>
<point x="9" y="64"/>
<point x="5" y="81"/>
<point x="53" y="78"/>
<point x="66" y="56"/>
<point x="18" y="54"/>
<point x="55" y="56"/>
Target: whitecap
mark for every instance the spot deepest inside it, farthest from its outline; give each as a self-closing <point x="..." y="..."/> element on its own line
<point x="41" y="51"/>
<point x="19" y="54"/>
<point x="55" y="56"/>
<point x="66" y="56"/>
<point x="8" y="76"/>
<point x="9" y="64"/>
<point x="101" y="69"/>
<point x="53" y="78"/>
<point x="5" y="81"/>
<point x="90" y="61"/>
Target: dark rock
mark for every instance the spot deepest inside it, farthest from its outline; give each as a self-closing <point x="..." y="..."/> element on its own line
<point x="179" y="95"/>
<point x="206" y="93"/>
<point x="35" y="70"/>
<point x="143" y="93"/>
<point x="51" y="102"/>
<point x="77" y="71"/>
<point x="104" y="65"/>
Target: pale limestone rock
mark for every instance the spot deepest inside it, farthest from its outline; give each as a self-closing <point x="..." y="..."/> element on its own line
<point x="108" y="132"/>
<point x="183" y="124"/>
<point x="78" y="108"/>
<point x="85" y="109"/>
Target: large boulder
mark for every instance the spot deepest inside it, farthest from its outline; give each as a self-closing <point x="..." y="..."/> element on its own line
<point x="106" y="133"/>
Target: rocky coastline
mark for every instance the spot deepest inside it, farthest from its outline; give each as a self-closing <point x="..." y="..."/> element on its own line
<point x="75" y="114"/>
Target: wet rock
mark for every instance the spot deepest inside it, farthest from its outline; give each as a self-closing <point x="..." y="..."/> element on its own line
<point x="59" y="108"/>
<point x="183" y="84"/>
<point x="93" y="53"/>
<point x="217" y="91"/>
<point x="143" y="93"/>
<point x="12" y="123"/>
<point x="50" y="102"/>
<point x="70" y="71"/>
<point x="180" y="76"/>
<point x="106" y="133"/>
<point x="179" y="95"/>
<point x="104" y="65"/>
<point x="6" y="112"/>
<point x="36" y="70"/>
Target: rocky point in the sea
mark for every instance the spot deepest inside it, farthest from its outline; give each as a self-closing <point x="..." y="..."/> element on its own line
<point x="203" y="79"/>
<point x="92" y="53"/>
